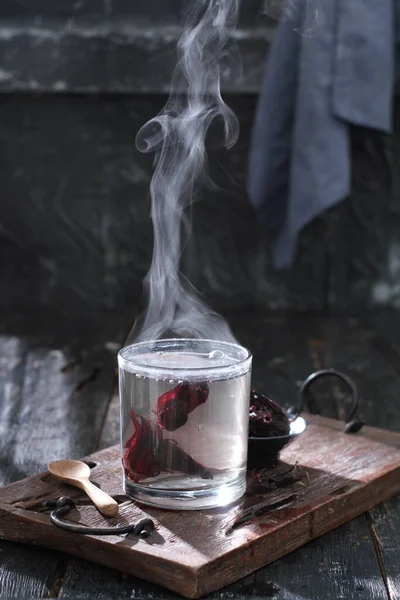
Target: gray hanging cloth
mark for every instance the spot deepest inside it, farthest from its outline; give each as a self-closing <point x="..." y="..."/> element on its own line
<point x="326" y="70"/>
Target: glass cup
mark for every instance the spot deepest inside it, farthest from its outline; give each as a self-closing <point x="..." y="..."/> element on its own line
<point x="184" y="422"/>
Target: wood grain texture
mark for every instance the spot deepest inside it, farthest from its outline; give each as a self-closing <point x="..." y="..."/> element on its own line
<point x="55" y="377"/>
<point x="27" y="573"/>
<point x="366" y="349"/>
<point x="80" y="576"/>
<point x="385" y="528"/>
<point x="52" y="398"/>
<point x="113" y="46"/>
<point x="341" y="564"/>
<point x="286" y="358"/>
<point x="160" y="11"/>
<point x="190" y="552"/>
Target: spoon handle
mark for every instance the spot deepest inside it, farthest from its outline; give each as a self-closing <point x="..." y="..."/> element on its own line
<point x="103" y="502"/>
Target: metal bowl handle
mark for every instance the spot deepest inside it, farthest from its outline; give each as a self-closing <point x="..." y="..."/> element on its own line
<point x="353" y="424"/>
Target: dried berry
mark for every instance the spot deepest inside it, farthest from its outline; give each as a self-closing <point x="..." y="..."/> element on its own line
<point x="266" y="418"/>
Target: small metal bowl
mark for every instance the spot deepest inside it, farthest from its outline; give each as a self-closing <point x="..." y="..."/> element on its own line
<point x="263" y="452"/>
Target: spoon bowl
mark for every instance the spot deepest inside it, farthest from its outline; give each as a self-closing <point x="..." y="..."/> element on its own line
<point x="69" y="470"/>
<point x="77" y="473"/>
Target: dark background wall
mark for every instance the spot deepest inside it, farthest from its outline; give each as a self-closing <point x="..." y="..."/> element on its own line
<point x="78" y="79"/>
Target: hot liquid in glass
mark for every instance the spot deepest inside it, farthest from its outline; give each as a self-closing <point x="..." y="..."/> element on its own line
<point x="184" y="422"/>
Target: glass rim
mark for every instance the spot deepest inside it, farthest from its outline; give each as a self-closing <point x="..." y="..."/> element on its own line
<point x="127" y="362"/>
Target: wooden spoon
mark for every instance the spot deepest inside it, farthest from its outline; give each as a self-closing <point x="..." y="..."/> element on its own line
<point x="77" y="473"/>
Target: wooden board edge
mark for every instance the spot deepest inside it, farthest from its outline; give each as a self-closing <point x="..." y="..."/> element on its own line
<point x="312" y="525"/>
<point x="146" y="567"/>
<point x="391" y="438"/>
<point x="196" y="582"/>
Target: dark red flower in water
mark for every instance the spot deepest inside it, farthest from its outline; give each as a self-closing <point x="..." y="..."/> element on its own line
<point x="141" y="450"/>
<point x="176" y="459"/>
<point x="266" y="418"/>
<point x="146" y="454"/>
<point x="173" y="407"/>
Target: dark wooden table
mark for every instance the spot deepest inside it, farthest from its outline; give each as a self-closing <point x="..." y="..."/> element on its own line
<point x="58" y="399"/>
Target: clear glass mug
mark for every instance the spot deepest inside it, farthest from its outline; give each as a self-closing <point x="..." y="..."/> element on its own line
<point x="184" y="422"/>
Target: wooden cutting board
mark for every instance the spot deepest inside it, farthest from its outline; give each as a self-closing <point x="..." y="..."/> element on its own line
<point x="193" y="553"/>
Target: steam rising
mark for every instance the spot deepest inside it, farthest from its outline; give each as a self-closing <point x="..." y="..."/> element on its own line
<point x="177" y="136"/>
<point x="303" y="13"/>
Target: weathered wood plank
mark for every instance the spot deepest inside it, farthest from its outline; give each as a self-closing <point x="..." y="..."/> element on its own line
<point x="341" y="564"/>
<point x="367" y="350"/>
<point x="19" y="563"/>
<point x="319" y="343"/>
<point x="50" y="409"/>
<point x="115" y="46"/>
<point x="75" y="581"/>
<point x="390" y="438"/>
<point x="89" y="580"/>
<point x="55" y="376"/>
<point x="346" y="475"/>
<point x="110" y="433"/>
<point x="385" y="529"/>
<point x="159" y="11"/>
<point x="28" y="573"/>
<point x="384" y="520"/>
